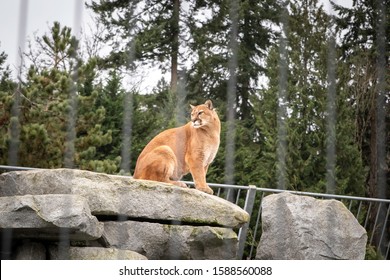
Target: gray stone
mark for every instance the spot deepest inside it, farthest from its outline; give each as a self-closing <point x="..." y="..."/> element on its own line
<point x="158" y="241"/>
<point x="30" y="250"/>
<point x="49" y="217"/>
<point x="301" y="227"/>
<point x="117" y="195"/>
<point x="92" y="253"/>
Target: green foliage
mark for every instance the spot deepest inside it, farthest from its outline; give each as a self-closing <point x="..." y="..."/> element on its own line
<point x="365" y="53"/>
<point x="45" y="107"/>
<point x="213" y="45"/>
<point x="149" y="32"/>
<point x="306" y="111"/>
<point x="101" y="103"/>
<point x="197" y="35"/>
<point x="372" y="253"/>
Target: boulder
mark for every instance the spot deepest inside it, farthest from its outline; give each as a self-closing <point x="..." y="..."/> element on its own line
<point x="301" y="227"/>
<point x="92" y="253"/>
<point x="164" y="241"/>
<point x="30" y="250"/>
<point x="110" y="195"/>
<point x="49" y="217"/>
<point x="75" y="214"/>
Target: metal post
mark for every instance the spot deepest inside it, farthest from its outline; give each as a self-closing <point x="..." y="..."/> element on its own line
<point x="248" y="207"/>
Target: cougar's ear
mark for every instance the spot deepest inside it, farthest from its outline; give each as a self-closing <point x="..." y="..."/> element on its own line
<point x="192" y="107"/>
<point x="209" y="104"/>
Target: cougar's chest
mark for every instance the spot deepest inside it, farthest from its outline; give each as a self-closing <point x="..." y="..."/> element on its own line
<point x="204" y="146"/>
<point x="210" y="151"/>
<point x="205" y="151"/>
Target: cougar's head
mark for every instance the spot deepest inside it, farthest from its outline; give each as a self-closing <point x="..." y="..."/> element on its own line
<point x="203" y="115"/>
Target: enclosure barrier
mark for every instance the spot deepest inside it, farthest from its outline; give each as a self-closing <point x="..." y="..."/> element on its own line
<point x="250" y="198"/>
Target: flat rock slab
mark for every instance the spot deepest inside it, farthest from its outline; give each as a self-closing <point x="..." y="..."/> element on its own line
<point x="49" y="217"/>
<point x="109" y="195"/>
<point x="93" y="253"/>
<point x="301" y="227"/>
<point x="158" y="241"/>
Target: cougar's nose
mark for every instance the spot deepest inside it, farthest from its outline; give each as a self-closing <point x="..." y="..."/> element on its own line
<point x="196" y="122"/>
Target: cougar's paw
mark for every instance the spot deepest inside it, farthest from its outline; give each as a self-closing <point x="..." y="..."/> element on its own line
<point x="179" y="184"/>
<point x="205" y="189"/>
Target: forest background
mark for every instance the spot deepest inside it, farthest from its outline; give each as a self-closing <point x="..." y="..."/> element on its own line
<point x="302" y="95"/>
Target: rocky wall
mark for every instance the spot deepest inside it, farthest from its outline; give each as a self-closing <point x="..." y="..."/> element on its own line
<point x="74" y="214"/>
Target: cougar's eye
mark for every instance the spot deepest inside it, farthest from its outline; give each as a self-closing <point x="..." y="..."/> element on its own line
<point x="200" y="113"/>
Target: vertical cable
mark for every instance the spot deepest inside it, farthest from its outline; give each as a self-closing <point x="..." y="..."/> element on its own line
<point x="13" y="149"/>
<point x="181" y="95"/>
<point x="281" y="148"/>
<point x="70" y="150"/>
<point x="381" y="113"/>
<point x="128" y="106"/>
<point x="15" y="110"/>
<point x="127" y="125"/>
<point x="69" y="154"/>
<point x="231" y="95"/>
<point x="331" y="118"/>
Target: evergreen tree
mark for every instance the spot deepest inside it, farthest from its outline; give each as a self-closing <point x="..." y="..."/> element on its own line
<point x="55" y="50"/>
<point x="90" y="131"/>
<point x="365" y="33"/>
<point x="211" y="44"/>
<point x="111" y="98"/>
<point x="150" y="32"/>
<point x="45" y="106"/>
<point x="5" y="74"/>
<point x="7" y="88"/>
<point x="305" y="114"/>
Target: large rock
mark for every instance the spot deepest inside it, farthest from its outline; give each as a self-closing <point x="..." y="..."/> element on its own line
<point x="29" y="250"/>
<point x="161" y="221"/>
<point x="49" y="216"/>
<point x="109" y="195"/>
<point x="162" y="241"/>
<point x="92" y="253"/>
<point x="301" y="227"/>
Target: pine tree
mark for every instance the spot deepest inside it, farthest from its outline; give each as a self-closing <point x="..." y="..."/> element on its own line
<point x="90" y="131"/>
<point x="212" y="45"/>
<point x="7" y="88"/>
<point x="366" y="48"/>
<point x="305" y="110"/>
<point x="5" y="73"/>
<point x="150" y="32"/>
<point x="45" y="106"/>
<point x="365" y="30"/>
<point x="111" y="97"/>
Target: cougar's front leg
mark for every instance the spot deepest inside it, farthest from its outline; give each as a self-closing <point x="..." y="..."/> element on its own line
<point x="199" y="175"/>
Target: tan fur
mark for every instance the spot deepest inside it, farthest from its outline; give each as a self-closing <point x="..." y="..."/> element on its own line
<point x="177" y="151"/>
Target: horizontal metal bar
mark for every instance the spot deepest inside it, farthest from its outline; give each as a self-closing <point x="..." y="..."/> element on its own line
<point x="16" y="168"/>
<point x="324" y="195"/>
<point x="225" y="186"/>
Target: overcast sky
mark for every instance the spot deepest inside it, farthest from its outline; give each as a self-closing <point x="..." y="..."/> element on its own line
<point x="40" y="16"/>
<point x="42" y="13"/>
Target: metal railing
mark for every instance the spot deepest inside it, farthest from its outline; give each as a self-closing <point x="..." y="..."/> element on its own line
<point x="372" y="213"/>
